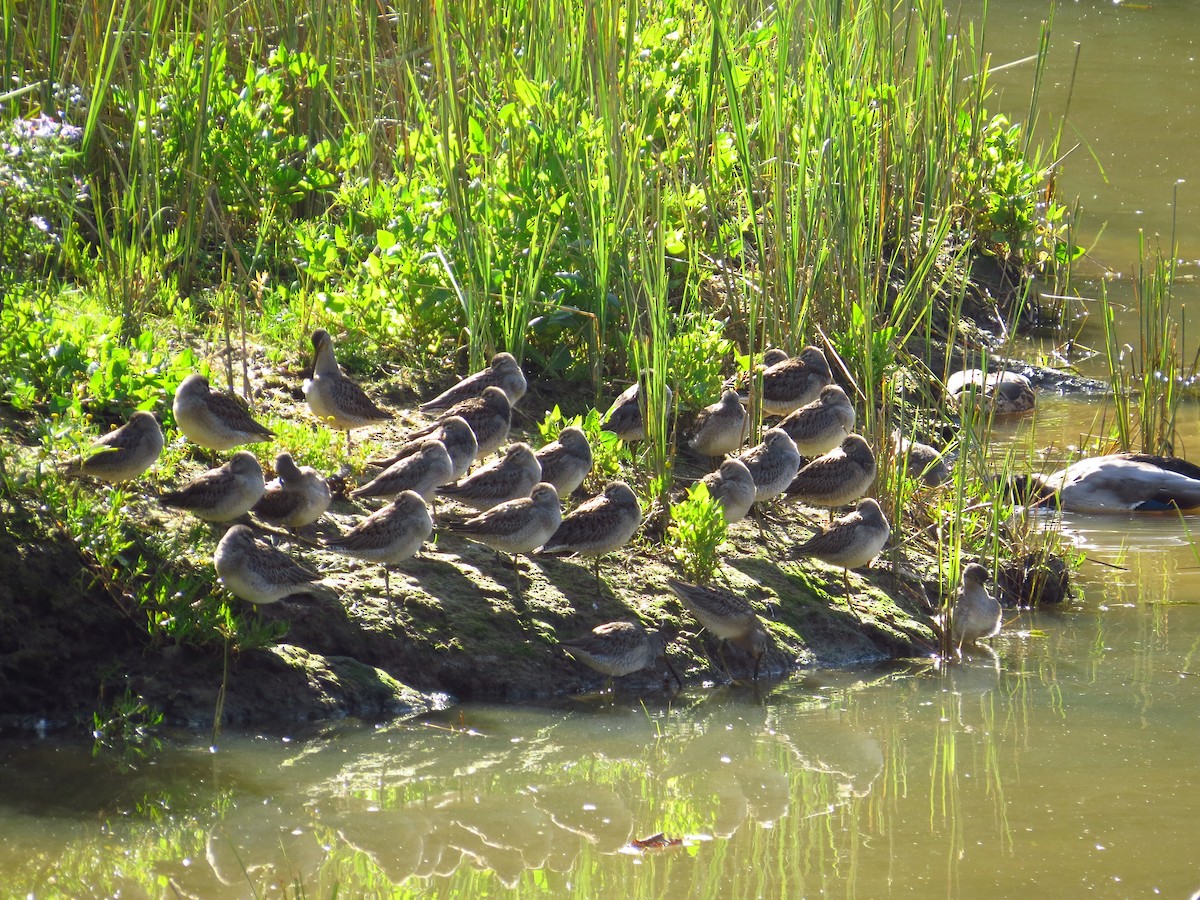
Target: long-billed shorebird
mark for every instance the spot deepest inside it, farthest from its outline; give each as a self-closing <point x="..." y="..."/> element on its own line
<point x="732" y="486"/>
<point x="456" y="436"/>
<point x="772" y="464"/>
<point x="625" y="418"/>
<point x="298" y="496"/>
<point x="517" y="526"/>
<point x="489" y="415"/>
<point x="620" y="648"/>
<point x="123" y="454"/>
<point x="424" y="470"/>
<point x="850" y="541"/>
<point x="1008" y="393"/>
<point x="388" y="536"/>
<point x="788" y="383"/>
<point x="510" y="477"/>
<point x="720" y="428"/>
<point x="726" y="616"/>
<point x="504" y="373"/>
<point x="976" y="613"/>
<point x="820" y="426"/>
<point x="334" y="398"/>
<point x="254" y="571"/>
<point x="566" y="461"/>
<point x="223" y="493"/>
<point x="837" y="478"/>
<point x="212" y="419"/>
<point x="921" y="461"/>
<point x="599" y="526"/>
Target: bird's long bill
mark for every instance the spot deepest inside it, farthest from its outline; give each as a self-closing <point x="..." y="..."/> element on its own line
<point x="757" y="665"/>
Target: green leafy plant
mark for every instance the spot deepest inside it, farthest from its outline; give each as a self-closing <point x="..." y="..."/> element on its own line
<point x="128" y="729"/>
<point x="697" y="529"/>
<point x="608" y="451"/>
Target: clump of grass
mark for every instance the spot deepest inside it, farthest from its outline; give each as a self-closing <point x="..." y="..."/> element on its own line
<point x="697" y="530"/>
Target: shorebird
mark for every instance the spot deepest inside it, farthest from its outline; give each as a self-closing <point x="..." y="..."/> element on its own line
<point x="599" y="526"/>
<point x="423" y="470"/>
<point x="1008" y="393"/>
<point x="720" y="428"/>
<point x="456" y="436"/>
<point x="820" y="426"/>
<point x="625" y="418"/>
<point x="837" y="478"/>
<point x="772" y="464"/>
<point x="733" y="486"/>
<point x="727" y="617"/>
<point x="976" y="613"/>
<point x="518" y="526"/>
<point x="510" y="477"/>
<point x="254" y="571"/>
<point x="489" y="415"/>
<point x="850" y="541"/>
<point x="788" y="383"/>
<point x="213" y="419"/>
<point x="620" y="648"/>
<point x="297" y="497"/>
<point x="566" y="462"/>
<point x="921" y="460"/>
<point x="504" y="373"/>
<point x="334" y="398"/>
<point x="1118" y="482"/>
<point x="123" y="454"/>
<point x="388" y="536"/>
<point x="223" y="493"/>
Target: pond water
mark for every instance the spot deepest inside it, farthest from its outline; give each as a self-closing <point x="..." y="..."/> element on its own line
<point x="1062" y="764"/>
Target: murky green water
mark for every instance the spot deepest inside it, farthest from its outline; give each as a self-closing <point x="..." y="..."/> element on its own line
<point x="1063" y="766"/>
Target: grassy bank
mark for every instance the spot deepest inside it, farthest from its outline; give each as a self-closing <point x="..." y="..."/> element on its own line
<point x="671" y="186"/>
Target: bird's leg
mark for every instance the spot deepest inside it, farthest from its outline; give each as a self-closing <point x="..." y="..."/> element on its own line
<point x="517" y="575"/>
<point x="849" y="602"/>
<point x="387" y="580"/>
<point x="596" y="570"/>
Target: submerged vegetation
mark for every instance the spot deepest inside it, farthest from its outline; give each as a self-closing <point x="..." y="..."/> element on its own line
<point x="193" y="189"/>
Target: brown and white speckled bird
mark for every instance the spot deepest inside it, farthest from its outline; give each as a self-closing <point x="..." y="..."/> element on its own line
<point x="772" y="464"/>
<point x="566" y="461"/>
<point x="788" y="383"/>
<point x="625" y="419"/>
<point x="388" y="536"/>
<point x="334" y="398"/>
<point x="424" y="470"/>
<point x="976" y="613"/>
<point x="123" y="454"/>
<point x="517" y="526"/>
<point x="732" y="486"/>
<point x="921" y="461"/>
<point x="620" y="648"/>
<point x="212" y="419"/>
<point x="504" y="373"/>
<point x="298" y="496"/>
<point x="221" y="494"/>
<point x="837" y="478"/>
<point x="720" y="428"/>
<point x="254" y="571"/>
<point x="820" y="426"/>
<point x="510" y="477"/>
<point x="489" y="415"/>
<point x="599" y="526"/>
<point x="850" y="541"/>
<point x="456" y="436"/>
<point x="726" y="616"/>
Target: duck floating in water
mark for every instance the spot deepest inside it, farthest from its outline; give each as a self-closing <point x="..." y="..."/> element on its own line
<point x="1118" y="482"/>
<point x="1007" y="393"/>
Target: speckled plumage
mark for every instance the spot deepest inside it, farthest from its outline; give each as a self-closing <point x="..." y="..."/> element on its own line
<point x="390" y="535"/>
<point x="619" y="648"/>
<point x="921" y="461"/>
<point x="1008" y="393"/>
<point x="298" y="496"/>
<point x="733" y="486"/>
<point x="122" y="454"/>
<point x="720" y="428"/>
<point x="852" y="540"/>
<point x="791" y="382"/>
<point x="489" y="415"/>
<point x="213" y="419"/>
<point x="599" y="526"/>
<point x="976" y="613"/>
<point x="726" y="616"/>
<point x="566" y="461"/>
<point x="624" y="418"/>
<point x="424" y="470"/>
<point x="510" y="477"/>
<point x="820" y="426"/>
<point x="254" y="571"/>
<point x="456" y="436"/>
<point x="504" y="372"/>
<point x="334" y="398"/>
<point x="772" y="464"/>
<point x="223" y="493"/>
<point x="837" y="478"/>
